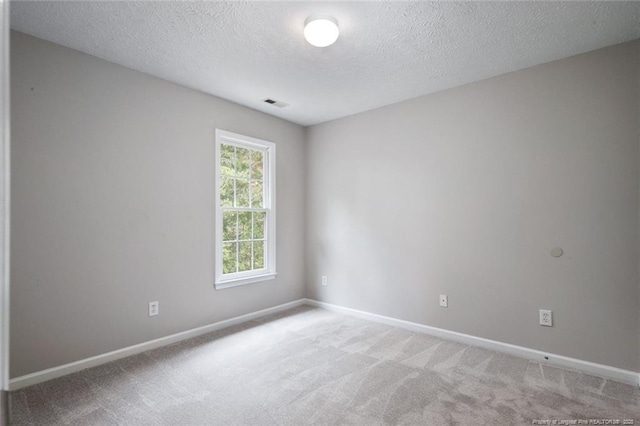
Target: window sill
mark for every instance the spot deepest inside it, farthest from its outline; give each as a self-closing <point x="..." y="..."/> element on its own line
<point x="221" y="285"/>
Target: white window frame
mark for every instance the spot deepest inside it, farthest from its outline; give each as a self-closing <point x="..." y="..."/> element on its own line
<point x="268" y="149"/>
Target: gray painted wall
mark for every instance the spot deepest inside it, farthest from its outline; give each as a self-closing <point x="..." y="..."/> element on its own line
<point x="113" y="191"/>
<point x="464" y="193"/>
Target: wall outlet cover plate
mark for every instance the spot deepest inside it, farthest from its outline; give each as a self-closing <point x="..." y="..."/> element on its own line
<point x="154" y="309"/>
<point x="546" y="318"/>
<point x="444" y="301"/>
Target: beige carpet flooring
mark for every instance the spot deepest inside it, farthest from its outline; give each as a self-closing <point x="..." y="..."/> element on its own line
<point x="309" y="366"/>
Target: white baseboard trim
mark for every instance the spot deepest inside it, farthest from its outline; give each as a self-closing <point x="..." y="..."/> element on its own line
<point x="72" y="367"/>
<point x="618" y="374"/>
<point x="601" y="370"/>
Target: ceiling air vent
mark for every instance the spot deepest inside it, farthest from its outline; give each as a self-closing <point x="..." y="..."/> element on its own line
<point x="275" y="102"/>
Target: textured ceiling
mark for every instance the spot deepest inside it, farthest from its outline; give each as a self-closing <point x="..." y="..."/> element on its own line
<point x="387" y="51"/>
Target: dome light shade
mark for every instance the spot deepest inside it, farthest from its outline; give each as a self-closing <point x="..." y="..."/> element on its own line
<point x="321" y="31"/>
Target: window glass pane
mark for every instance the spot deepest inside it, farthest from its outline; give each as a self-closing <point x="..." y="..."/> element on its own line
<point x="256" y="164"/>
<point x="258" y="225"/>
<point x="244" y="260"/>
<point x="226" y="192"/>
<point x="229" y="258"/>
<point x="227" y="153"/>
<point x="256" y="194"/>
<point x="244" y="225"/>
<point x="258" y="255"/>
<point x="229" y="226"/>
<point x="242" y="193"/>
<point x="242" y="162"/>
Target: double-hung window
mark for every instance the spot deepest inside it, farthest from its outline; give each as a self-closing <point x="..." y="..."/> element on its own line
<point x="245" y="210"/>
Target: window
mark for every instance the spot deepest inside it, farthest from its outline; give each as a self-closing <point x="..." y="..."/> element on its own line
<point x="245" y="210"/>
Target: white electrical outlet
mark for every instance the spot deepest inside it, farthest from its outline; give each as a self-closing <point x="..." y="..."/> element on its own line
<point x="444" y="301"/>
<point x="324" y="280"/>
<point x="546" y="318"/>
<point x="154" y="309"/>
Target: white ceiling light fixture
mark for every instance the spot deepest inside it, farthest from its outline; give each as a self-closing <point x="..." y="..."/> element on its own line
<point x="321" y="31"/>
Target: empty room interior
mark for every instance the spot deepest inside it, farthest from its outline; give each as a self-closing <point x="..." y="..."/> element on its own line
<point x="322" y="213"/>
